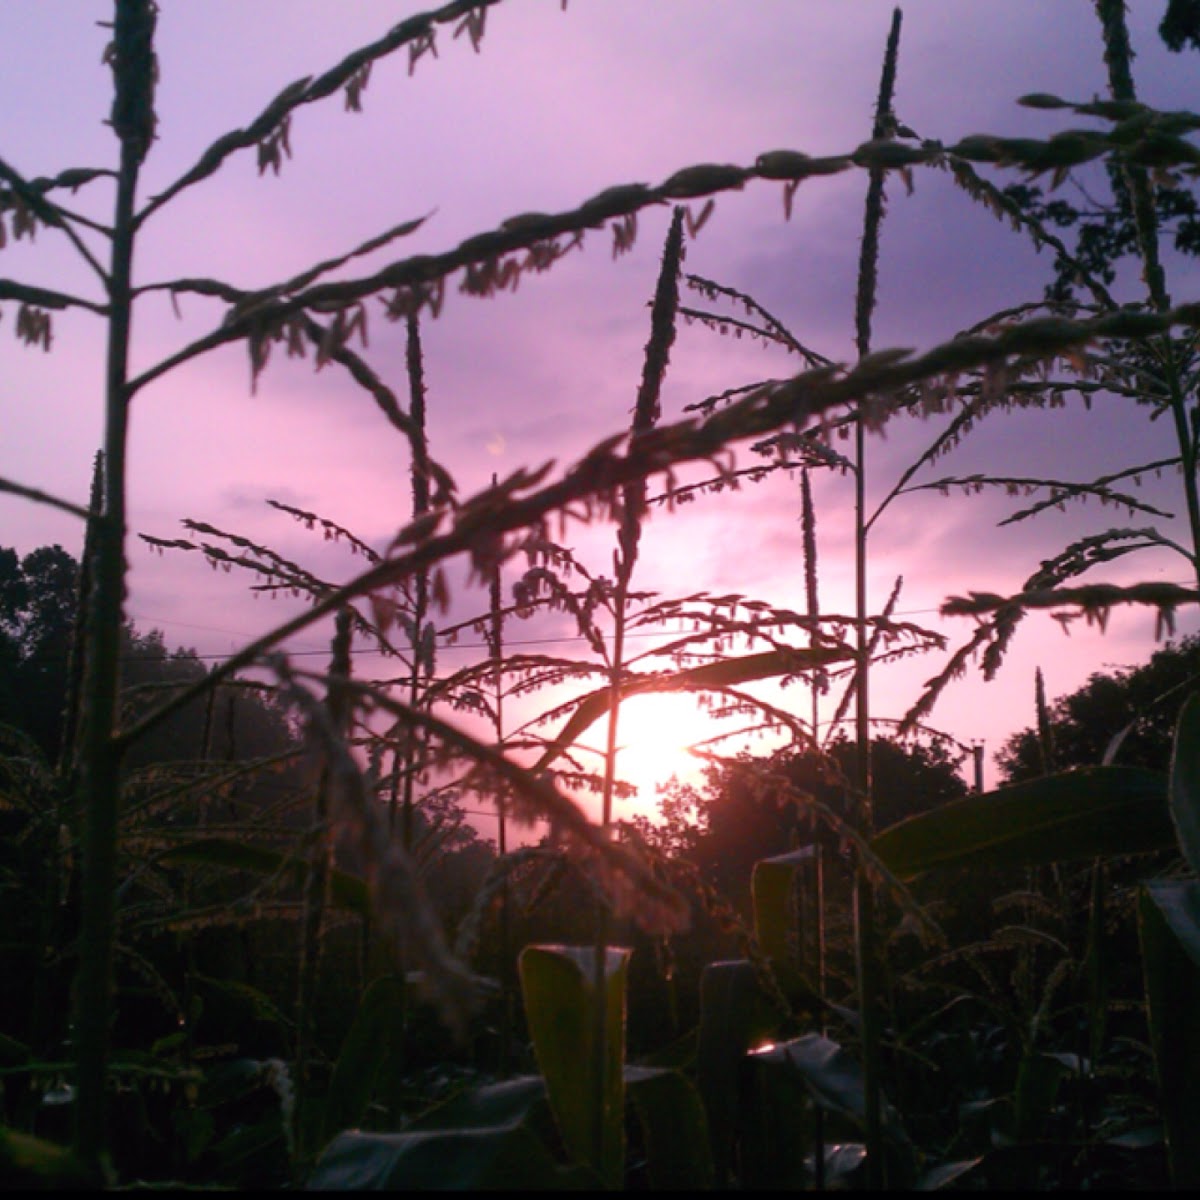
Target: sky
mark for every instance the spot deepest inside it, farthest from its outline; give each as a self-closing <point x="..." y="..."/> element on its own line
<point x="555" y="106"/>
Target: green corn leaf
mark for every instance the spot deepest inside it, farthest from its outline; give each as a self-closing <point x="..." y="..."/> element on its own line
<point x="1039" y="1077"/>
<point x="844" y="1166"/>
<point x="1093" y="812"/>
<point x="1169" y="928"/>
<point x="771" y="885"/>
<point x="1042" y="100"/>
<point x="1178" y="903"/>
<point x="517" y="1101"/>
<point x="835" y="1081"/>
<point x="12" y="1052"/>
<point x="833" y="1076"/>
<point x="777" y="1128"/>
<point x="557" y="986"/>
<point x="346" y="891"/>
<point x="521" y="1101"/>
<point x="674" y="1128"/>
<point x="1185" y="781"/>
<point x="229" y="1081"/>
<point x="250" y="1003"/>
<point x="372" y="1046"/>
<point x="28" y="1162"/>
<point x="728" y="672"/>
<point x="735" y="1014"/>
<point x="501" y="1158"/>
<point x="945" y="1174"/>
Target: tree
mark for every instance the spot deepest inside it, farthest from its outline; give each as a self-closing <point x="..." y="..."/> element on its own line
<point x="1138" y="705"/>
<point x="38" y="599"/>
<point x="734" y="820"/>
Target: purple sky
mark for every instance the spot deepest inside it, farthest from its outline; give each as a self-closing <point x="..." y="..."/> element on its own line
<point x="556" y="107"/>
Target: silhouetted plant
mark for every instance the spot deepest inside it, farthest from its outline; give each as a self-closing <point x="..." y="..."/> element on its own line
<point x="998" y="363"/>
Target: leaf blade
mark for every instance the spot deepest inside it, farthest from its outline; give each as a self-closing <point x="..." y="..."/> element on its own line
<point x="1185" y="781"/>
<point x="727" y="672"/>
<point x="1088" y="813"/>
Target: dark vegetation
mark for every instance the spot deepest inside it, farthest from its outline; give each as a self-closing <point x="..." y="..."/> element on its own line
<point x="1130" y="713"/>
<point x="233" y="981"/>
<point x="249" y="937"/>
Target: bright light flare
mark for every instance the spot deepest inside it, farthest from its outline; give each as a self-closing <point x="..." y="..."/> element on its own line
<point x="654" y="733"/>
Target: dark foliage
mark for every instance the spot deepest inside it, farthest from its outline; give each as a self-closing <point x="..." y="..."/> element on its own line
<point x="1138" y="704"/>
<point x="1104" y="229"/>
<point x="741" y="821"/>
<point x="1181" y="25"/>
<point x="38" y="595"/>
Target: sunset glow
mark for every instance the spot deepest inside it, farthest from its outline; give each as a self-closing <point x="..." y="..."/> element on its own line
<point x="558" y="558"/>
<point x="553" y="108"/>
<point x="655" y="734"/>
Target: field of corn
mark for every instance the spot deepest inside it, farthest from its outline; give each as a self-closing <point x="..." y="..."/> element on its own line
<point x="250" y="936"/>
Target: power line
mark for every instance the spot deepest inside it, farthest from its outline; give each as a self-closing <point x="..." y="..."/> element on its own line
<point x="154" y="622"/>
<point x="565" y="639"/>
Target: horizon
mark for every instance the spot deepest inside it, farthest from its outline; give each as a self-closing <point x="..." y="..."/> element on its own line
<point x="598" y="95"/>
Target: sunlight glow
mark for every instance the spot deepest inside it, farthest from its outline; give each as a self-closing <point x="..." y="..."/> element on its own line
<point x="654" y="734"/>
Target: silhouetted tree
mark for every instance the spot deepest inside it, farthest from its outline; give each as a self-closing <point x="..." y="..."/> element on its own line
<point x="37" y="613"/>
<point x="1141" y="703"/>
<point x="39" y="596"/>
<point x="726" y="827"/>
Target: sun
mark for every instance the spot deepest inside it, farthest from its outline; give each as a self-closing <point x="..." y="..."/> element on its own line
<point x="654" y="733"/>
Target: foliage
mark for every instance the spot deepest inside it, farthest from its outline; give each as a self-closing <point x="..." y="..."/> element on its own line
<point x="1126" y="716"/>
<point x="836" y="1015"/>
<point x="37" y="618"/>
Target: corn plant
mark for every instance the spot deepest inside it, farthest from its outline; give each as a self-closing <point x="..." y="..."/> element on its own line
<point x="608" y="482"/>
<point x="976" y="400"/>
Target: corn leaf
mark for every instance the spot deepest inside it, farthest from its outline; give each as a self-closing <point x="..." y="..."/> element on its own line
<point x="372" y="1048"/>
<point x="517" y="1101"/>
<point x="674" y="1129"/>
<point x="834" y="1080"/>
<point x="1169" y="928"/>
<point x="728" y="672"/>
<point x="832" y="1075"/>
<point x="735" y="1014"/>
<point x="500" y="1157"/>
<point x="771" y="885"/>
<point x="945" y="1174"/>
<point x="346" y="891"/>
<point x="557" y="986"/>
<point x="28" y="1162"/>
<point x="1185" y="781"/>
<point x="1088" y="813"/>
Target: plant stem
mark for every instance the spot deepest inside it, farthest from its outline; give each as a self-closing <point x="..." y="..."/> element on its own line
<point x="812" y="608"/>
<point x="100" y="753"/>
<point x="507" y="988"/>
<point x="1117" y="58"/>
<point x="420" y="506"/>
<point x="867" y="966"/>
<point x="133" y="120"/>
<point x="645" y="414"/>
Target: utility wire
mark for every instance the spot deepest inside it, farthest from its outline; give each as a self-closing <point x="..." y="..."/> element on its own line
<point x="460" y="645"/>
